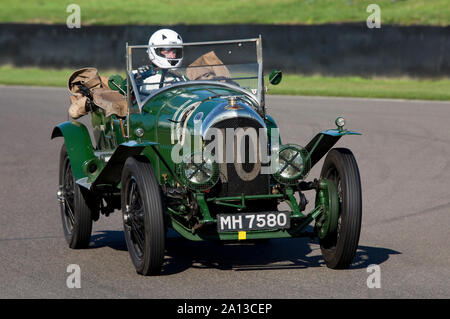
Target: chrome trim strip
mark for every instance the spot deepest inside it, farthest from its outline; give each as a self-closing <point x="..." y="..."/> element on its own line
<point x="128" y="62"/>
<point x="220" y="113"/>
<point x="261" y="95"/>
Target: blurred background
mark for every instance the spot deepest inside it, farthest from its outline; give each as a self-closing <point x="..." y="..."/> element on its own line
<point x="397" y="49"/>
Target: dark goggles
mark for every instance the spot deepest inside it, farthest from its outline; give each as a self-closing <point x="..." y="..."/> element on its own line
<point x="165" y="53"/>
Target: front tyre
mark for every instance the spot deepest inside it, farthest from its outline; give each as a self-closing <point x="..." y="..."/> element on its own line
<point x="339" y="247"/>
<point x="143" y="216"/>
<point x="75" y="213"/>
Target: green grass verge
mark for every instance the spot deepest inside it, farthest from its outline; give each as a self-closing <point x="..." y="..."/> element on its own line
<point x="401" y="88"/>
<point x="169" y="12"/>
<point x="398" y="88"/>
<point x="39" y="77"/>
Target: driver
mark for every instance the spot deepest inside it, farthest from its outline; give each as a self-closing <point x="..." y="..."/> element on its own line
<point x="167" y="55"/>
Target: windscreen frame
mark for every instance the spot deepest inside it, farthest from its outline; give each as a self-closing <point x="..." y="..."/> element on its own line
<point x="258" y="97"/>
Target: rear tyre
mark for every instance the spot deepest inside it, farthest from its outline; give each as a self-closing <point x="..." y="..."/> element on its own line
<point x="75" y="213"/>
<point x="143" y="216"/>
<point x="339" y="247"/>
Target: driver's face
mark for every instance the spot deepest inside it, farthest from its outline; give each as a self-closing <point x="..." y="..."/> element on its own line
<point x="169" y="54"/>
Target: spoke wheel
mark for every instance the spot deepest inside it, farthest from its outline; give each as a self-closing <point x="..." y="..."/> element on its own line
<point x="75" y="213"/>
<point x="143" y="217"/>
<point x="134" y="218"/>
<point x="339" y="246"/>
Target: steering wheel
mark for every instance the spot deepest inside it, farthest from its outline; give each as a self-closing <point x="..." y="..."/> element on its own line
<point x="174" y="74"/>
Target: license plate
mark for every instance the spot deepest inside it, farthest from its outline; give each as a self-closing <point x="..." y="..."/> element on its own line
<point x="253" y="221"/>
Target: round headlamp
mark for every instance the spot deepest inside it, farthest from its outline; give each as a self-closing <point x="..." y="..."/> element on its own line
<point x="199" y="172"/>
<point x="340" y="121"/>
<point x="293" y="164"/>
<point x="290" y="164"/>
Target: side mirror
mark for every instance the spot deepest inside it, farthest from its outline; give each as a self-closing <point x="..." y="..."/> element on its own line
<point x="275" y="77"/>
<point x="115" y="82"/>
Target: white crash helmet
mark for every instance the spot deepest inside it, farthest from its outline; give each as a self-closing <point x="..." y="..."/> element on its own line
<point x="169" y="40"/>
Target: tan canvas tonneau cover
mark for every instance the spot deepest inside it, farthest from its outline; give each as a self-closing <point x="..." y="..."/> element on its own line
<point x="111" y="101"/>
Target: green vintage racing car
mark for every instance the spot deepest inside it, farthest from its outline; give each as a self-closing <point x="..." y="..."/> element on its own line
<point x="197" y="152"/>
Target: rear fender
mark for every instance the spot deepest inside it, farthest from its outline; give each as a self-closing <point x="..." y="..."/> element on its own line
<point x="323" y="142"/>
<point x="79" y="147"/>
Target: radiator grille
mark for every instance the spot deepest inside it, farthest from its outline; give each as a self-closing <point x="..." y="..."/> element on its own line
<point x="244" y="178"/>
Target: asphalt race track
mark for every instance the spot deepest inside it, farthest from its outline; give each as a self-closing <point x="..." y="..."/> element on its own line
<point x="404" y="161"/>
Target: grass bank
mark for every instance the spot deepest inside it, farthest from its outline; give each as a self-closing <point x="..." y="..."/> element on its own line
<point x="397" y="88"/>
<point x="169" y="12"/>
<point x="401" y="88"/>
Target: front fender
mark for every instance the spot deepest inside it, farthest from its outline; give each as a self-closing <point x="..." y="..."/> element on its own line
<point x="112" y="172"/>
<point x="323" y="142"/>
<point x="78" y="144"/>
